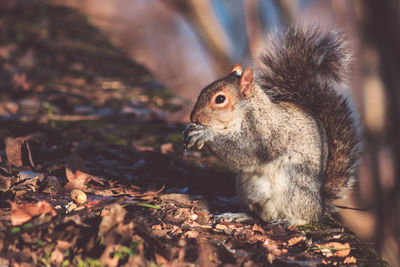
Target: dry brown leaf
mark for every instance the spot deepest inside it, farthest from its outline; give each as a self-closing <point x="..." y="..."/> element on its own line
<point x="24" y="212"/>
<point x="295" y="240"/>
<point x="5" y="183"/>
<point x="14" y="150"/>
<point x="160" y="259"/>
<point x="257" y="228"/>
<point x="191" y="234"/>
<point x="221" y="227"/>
<point x="349" y="260"/>
<point x="76" y="180"/>
<point x="334" y="249"/>
<point x="177" y="198"/>
<point x="156" y="227"/>
<point x="345" y="250"/>
<point x="325" y="262"/>
<point x="107" y="258"/>
<point x="272" y="246"/>
<point x="74" y="164"/>
<point x="5" y="262"/>
<point x="161" y="233"/>
<point x="271" y="257"/>
<point x="63" y="245"/>
<point x="115" y="216"/>
<point x="165" y="148"/>
<point x="57" y="257"/>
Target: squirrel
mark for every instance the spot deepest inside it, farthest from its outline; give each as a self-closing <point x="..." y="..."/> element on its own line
<point x="286" y="125"/>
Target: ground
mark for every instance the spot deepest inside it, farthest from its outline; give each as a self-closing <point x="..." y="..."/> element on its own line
<point x="93" y="174"/>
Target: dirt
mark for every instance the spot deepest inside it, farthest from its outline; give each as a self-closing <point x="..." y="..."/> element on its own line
<point x="93" y="174"/>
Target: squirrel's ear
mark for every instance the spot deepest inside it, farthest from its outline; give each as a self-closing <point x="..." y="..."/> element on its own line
<point x="246" y="82"/>
<point x="237" y="68"/>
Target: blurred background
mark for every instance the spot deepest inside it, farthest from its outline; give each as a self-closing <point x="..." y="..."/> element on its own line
<point x="188" y="44"/>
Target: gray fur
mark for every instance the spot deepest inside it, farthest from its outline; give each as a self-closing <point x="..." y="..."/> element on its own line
<point x="289" y="138"/>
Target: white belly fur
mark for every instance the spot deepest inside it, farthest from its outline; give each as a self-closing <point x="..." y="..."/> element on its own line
<point x="262" y="190"/>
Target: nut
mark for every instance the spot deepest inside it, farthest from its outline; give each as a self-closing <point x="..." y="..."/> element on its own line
<point x="78" y="196"/>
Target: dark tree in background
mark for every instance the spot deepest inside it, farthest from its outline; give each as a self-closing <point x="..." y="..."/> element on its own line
<point x="382" y="30"/>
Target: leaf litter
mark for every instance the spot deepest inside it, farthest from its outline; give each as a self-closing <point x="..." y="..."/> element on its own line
<point x="93" y="174"/>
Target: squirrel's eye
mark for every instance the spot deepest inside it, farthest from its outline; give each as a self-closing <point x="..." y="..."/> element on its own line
<point x="220" y="99"/>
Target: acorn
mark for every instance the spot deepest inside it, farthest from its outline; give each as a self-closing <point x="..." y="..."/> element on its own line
<point x="78" y="196"/>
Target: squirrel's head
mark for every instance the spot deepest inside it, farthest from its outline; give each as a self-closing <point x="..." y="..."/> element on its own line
<point x="220" y="105"/>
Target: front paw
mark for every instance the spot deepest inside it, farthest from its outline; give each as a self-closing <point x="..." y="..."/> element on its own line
<point x="196" y="135"/>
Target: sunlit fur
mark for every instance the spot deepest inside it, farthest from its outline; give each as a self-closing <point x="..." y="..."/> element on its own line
<point x="294" y="139"/>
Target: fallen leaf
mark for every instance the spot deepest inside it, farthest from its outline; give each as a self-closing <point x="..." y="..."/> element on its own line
<point x="115" y="216"/>
<point x="221" y="227"/>
<point x="76" y="180"/>
<point x="74" y="164"/>
<point x="334" y="249"/>
<point x="343" y="251"/>
<point x="165" y="148"/>
<point x="272" y="246"/>
<point x="349" y="260"/>
<point x="325" y="262"/>
<point x="295" y="240"/>
<point x="56" y="257"/>
<point x="156" y="227"/>
<point x="271" y="257"/>
<point x="191" y="234"/>
<point x="107" y="258"/>
<point x="14" y="150"/>
<point x="160" y="259"/>
<point x="24" y="212"/>
<point x="5" y="183"/>
<point x="257" y="228"/>
<point x="63" y="245"/>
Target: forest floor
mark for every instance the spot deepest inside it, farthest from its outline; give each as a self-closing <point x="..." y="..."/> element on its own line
<point x="93" y="174"/>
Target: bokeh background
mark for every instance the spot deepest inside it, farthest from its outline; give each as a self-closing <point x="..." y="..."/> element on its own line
<point x="188" y="44"/>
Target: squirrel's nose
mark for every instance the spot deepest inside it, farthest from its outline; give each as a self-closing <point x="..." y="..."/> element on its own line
<point x="199" y="117"/>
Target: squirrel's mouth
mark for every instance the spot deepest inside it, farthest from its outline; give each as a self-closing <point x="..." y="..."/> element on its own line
<point x="220" y="126"/>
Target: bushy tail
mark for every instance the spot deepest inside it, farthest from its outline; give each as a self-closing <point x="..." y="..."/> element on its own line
<point x="305" y="66"/>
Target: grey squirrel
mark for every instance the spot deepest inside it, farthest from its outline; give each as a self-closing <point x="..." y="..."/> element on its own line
<point x="285" y="125"/>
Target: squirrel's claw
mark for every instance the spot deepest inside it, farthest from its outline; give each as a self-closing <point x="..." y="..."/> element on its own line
<point x="195" y="135"/>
